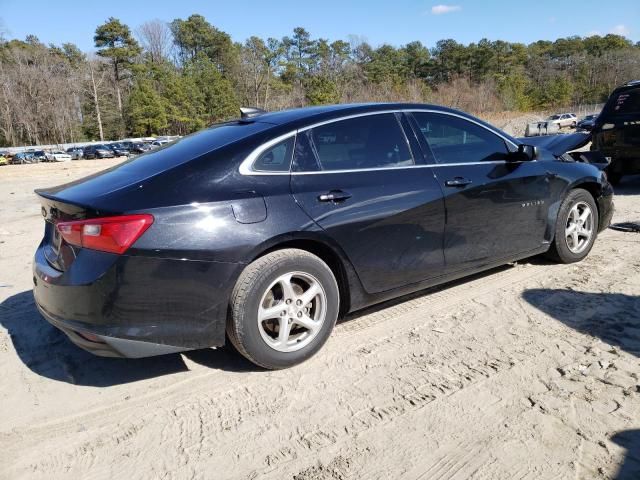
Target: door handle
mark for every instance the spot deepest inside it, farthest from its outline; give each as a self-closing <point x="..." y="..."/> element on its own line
<point x="458" y="182"/>
<point x="334" y="196"/>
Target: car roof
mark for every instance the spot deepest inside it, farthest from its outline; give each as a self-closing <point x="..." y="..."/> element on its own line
<point x="313" y="113"/>
<point x="632" y="85"/>
<point x="299" y="117"/>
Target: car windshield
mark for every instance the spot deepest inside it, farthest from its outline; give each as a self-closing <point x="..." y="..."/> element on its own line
<point x="554" y="117"/>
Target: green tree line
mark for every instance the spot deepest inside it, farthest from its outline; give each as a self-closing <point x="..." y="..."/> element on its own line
<point x="178" y="77"/>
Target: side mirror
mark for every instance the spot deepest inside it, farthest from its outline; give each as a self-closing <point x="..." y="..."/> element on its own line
<point x="525" y="153"/>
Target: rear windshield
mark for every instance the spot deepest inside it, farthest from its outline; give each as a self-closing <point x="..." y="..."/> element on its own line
<point x="193" y="146"/>
<point x="626" y="103"/>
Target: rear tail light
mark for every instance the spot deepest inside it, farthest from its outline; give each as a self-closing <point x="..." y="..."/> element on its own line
<point x="107" y="234"/>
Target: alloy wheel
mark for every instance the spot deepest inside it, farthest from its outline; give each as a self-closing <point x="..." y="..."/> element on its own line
<point x="292" y="311"/>
<point x="579" y="228"/>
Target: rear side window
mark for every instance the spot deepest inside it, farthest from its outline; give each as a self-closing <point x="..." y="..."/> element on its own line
<point x="456" y="140"/>
<point x="627" y="103"/>
<point x="277" y="158"/>
<point x="372" y="141"/>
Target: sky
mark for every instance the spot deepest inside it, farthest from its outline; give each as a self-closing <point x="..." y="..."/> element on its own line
<point x="396" y="22"/>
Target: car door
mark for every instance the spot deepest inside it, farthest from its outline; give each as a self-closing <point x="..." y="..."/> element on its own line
<point x="358" y="180"/>
<point x="496" y="208"/>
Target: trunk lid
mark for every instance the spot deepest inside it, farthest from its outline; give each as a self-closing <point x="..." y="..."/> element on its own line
<point x="59" y="254"/>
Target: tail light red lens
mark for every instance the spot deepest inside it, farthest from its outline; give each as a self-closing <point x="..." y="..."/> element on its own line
<point x="107" y="234"/>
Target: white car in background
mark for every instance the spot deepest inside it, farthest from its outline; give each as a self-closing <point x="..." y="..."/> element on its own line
<point x="159" y="143"/>
<point x="563" y="120"/>
<point x="57" y="156"/>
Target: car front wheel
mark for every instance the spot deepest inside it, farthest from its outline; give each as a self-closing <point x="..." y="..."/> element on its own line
<point x="576" y="227"/>
<point x="283" y="308"/>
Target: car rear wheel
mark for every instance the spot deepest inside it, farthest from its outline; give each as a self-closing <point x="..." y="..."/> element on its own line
<point x="576" y="227"/>
<point x="283" y="308"/>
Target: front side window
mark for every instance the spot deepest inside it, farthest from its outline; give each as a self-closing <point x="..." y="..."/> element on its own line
<point x="276" y="158"/>
<point x="456" y="140"/>
<point x="371" y="141"/>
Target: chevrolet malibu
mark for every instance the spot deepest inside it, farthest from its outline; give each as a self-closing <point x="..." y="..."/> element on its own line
<point x="263" y="231"/>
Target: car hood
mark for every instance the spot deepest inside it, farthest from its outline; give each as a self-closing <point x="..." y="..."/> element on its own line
<point x="559" y="144"/>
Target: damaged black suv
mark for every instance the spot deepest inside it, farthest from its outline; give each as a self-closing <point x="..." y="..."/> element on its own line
<point x="616" y="132"/>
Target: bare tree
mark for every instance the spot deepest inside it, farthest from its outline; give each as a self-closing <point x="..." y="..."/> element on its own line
<point x="3" y="31"/>
<point x="156" y="39"/>
<point x="94" y="86"/>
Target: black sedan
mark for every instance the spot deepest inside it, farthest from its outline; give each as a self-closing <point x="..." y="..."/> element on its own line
<point x="139" y="147"/>
<point x="265" y="230"/>
<point x="587" y="122"/>
<point x="118" y="149"/>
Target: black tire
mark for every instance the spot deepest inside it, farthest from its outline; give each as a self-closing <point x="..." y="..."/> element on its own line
<point x="242" y="325"/>
<point x="560" y="251"/>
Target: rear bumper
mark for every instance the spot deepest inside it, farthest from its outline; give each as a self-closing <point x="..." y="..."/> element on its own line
<point x="135" y="306"/>
<point x="104" y="346"/>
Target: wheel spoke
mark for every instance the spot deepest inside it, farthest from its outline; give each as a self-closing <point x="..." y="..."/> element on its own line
<point x="306" y="322"/>
<point x="574" y="214"/>
<point x="571" y="228"/>
<point x="310" y="294"/>
<point x="287" y="287"/>
<point x="575" y="239"/>
<point x="269" y="312"/>
<point x="585" y="215"/>
<point x="284" y="330"/>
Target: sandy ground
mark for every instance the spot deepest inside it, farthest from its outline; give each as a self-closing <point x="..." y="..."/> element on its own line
<point x="528" y="371"/>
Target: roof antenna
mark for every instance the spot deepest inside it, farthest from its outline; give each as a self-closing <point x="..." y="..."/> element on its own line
<point x="247" y="113"/>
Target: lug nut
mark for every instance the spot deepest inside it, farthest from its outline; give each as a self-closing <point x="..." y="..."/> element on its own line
<point x="298" y="302"/>
<point x="283" y="313"/>
<point x="288" y="301"/>
<point x="299" y="314"/>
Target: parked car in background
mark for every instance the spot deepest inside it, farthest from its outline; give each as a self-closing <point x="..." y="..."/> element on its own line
<point x="57" y="156"/>
<point x="118" y="149"/>
<point x="159" y="143"/>
<point x="262" y="231"/>
<point x="139" y="147"/>
<point x="75" y="152"/>
<point x="40" y="155"/>
<point x="616" y="132"/>
<point x="97" y="151"/>
<point x="563" y="119"/>
<point x="587" y="122"/>
<point x="22" y="158"/>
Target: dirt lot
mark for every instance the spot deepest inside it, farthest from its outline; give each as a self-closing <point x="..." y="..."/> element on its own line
<point x="528" y="371"/>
